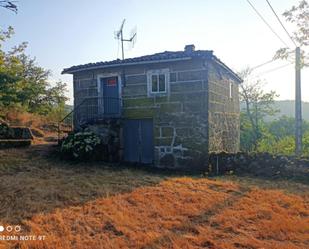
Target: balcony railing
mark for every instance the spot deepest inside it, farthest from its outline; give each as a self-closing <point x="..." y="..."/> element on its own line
<point x="90" y="110"/>
<point x="94" y="109"/>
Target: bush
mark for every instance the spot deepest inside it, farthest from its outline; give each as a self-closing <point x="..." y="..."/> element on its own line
<point x="80" y="145"/>
<point x="5" y="131"/>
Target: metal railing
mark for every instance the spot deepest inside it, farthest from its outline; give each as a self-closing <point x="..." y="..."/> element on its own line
<point x="88" y="111"/>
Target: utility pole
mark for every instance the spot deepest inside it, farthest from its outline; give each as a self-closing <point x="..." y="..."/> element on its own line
<point x="298" y="109"/>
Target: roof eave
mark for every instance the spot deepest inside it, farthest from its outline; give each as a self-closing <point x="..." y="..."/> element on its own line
<point x="235" y="75"/>
<point x="72" y="71"/>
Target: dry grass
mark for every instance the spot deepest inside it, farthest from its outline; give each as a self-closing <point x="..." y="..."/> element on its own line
<point x="99" y="207"/>
<point x="19" y="117"/>
<point x="180" y="213"/>
<point x="286" y="185"/>
<point x="31" y="184"/>
<point x="43" y="128"/>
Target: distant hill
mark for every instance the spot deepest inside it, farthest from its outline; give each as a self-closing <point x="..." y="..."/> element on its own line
<point x="287" y="108"/>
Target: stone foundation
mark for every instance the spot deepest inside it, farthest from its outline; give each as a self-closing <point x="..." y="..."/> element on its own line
<point x="110" y="133"/>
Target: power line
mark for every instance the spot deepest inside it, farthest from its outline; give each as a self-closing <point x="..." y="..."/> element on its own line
<point x="263" y="19"/>
<point x="281" y="23"/>
<point x="262" y="64"/>
<point x="272" y="70"/>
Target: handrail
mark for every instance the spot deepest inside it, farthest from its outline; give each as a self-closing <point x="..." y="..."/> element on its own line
<point x="100" y="104"/>
<point x="60" y="121"/>
<point x="72" y="110"/>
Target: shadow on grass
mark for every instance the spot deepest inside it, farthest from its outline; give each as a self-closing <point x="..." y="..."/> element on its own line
<point x="54" y="156"/>
<point x="35" y="180"/>
<point x="295" y="174"/>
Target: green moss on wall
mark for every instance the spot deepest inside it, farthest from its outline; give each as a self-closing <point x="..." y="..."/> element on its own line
<point x="170" y="107"/>
<point x="156" y="132"/>
<point x="167" y="131"/>
<point x="139" y="113"/>
<point x="138" y="102"/>
<point x="163" y="141"/>
<point x="161" y="99"/>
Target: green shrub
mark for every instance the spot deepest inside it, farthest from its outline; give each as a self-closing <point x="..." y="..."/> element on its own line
<point x="5" y="131"/>
<point x="80" y="145"/>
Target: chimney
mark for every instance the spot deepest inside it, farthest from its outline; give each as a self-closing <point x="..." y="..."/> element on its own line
<point x="190" y="48"/>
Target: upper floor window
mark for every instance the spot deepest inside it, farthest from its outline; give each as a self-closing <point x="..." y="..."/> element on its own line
<point x="231" y="89"/>
<point x="158" y="81"/>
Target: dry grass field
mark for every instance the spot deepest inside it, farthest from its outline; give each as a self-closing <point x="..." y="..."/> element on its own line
<point x="103" y="206"/>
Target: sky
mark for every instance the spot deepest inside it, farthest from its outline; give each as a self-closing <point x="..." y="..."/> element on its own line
<point x="63" y="33"/>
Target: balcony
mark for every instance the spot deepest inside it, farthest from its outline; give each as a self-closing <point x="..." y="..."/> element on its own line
<point x="93" y="109"/>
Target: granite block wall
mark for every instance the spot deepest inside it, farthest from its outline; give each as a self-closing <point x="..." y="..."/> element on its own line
<point x="195" y="116"/>
<point x="223" y="111"/>
<point x="179" y="117"/>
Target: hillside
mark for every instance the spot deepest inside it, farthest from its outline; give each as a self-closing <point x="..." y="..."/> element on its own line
<point x="287" y="108"/>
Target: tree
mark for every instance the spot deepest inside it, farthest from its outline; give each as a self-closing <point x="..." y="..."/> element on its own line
<point x="53" y="101"/>
<point x="8" y="79"/>
<point x="258" y="104"/>
<point x="299" y="17"/>
<point x="25" y="84"/>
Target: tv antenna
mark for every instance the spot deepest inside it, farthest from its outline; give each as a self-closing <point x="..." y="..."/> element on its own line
<point x="119" y="36"/>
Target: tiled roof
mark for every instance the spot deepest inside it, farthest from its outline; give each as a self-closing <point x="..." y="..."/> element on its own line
<point x="167" y="55"/>
<point x="158" y="57"/>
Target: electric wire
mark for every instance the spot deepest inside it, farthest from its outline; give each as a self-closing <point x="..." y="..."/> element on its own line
<point x="268" y="25"/>
<point x="262" y="64"/>
<point x="286" y="31"/>
<point x="271" y="70"/>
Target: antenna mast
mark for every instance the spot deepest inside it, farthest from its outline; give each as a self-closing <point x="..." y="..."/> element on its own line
<point x="119" y="36"/>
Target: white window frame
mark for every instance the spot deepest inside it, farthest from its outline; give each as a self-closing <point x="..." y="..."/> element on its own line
<point x="150" y="73"/>
<point x="231" y="90"/>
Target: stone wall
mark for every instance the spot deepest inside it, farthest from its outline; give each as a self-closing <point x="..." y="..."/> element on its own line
<point x="180" y="116"/>
<point x="223" y="110"/>
<point x="259" y="165"/>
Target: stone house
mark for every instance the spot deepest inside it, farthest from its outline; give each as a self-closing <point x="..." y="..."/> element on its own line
<point x="169" y="109"/>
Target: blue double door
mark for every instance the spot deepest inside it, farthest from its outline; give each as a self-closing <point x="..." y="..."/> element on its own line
<point x="138" y="141"/>
<point x="110" y="103"/>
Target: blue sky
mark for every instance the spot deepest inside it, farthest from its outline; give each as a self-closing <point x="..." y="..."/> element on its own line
<point x="71" y="32"/>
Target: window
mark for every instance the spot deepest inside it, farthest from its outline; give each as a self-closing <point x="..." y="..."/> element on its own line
<point x="158" y="82"/>
<point x="231" y="89"/>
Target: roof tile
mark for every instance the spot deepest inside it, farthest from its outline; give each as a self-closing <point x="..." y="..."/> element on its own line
<point x="167" y="55"/>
